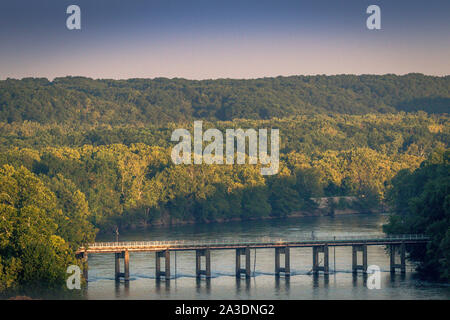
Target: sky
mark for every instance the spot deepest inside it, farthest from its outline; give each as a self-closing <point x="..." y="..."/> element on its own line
<point x="210" y="39"/>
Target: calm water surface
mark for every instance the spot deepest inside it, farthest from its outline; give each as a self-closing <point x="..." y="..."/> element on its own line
<point x="341" y="284"/>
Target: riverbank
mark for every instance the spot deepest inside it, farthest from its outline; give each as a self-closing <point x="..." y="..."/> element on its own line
<point x="324" y="206"/>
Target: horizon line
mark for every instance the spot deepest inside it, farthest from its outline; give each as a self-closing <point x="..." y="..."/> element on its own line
<point x="227" y="78"/>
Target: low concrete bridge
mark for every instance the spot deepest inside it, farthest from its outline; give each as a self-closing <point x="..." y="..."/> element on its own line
<point x="319" y="244"/>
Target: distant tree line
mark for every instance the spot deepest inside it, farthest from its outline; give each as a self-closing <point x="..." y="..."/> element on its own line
<point x="78" y="100"/>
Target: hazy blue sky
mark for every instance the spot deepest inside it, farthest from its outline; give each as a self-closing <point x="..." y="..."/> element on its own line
<point x="200" y="39"/>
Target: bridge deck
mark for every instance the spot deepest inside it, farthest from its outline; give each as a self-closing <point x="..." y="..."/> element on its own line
<point x="265" y="242"/>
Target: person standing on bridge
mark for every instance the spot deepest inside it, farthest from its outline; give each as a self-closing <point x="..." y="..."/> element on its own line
<point x="116" y="232"/>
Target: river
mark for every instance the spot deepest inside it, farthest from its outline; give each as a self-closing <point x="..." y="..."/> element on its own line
<point x="340" y="284"/>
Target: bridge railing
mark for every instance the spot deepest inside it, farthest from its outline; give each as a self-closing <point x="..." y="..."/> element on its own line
<point x="254" y="241"/>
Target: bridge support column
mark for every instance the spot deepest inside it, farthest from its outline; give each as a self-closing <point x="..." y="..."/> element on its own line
<point x="117" y="266"/>
<point x="166" y="255"/>
<point x="316" y="262"/>
<point x="243" y="252"/>
<point x="198" y="262"/>
<point x="402" y="266"/>
<point x="83" y="257"/>
<point x="286" y="269"/>
<point x="355" y="250"/>
<point x="125" y="255"/>
<point x="126" y="265"/>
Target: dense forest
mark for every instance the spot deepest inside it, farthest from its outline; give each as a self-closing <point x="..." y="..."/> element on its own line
<point x="128" y="177"/>
<point x="77" y="100"/>
<point x="422" y="206"/>
<point x="78" y="156"/>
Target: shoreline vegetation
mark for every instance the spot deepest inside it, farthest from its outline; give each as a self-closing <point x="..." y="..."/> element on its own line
<point x="342" y="206"/>
<point x="79" y="155"/>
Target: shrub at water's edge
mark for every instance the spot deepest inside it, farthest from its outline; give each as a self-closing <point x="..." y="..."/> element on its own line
<point x="421" y="200"/>
<point x="39" y="231"/>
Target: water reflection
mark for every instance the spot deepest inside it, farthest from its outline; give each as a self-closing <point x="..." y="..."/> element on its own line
<point x="396" y="278"/>
<point x="165" y="283"/>
<point x="359" y="279"/>
<point x="321" y="280"/>
<point x="282" y="284"/>
<point x="122" y="289"/>
<point x="203" y="285"/>
<point x="243" y="283"/>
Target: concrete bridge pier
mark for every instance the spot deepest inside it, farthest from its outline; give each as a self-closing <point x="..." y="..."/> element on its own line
<point x="166" y="273"/>
<point x="355" y="266"/>
<point x="243" y="252"/>
<point x="125" y="255"/>
<point x="286" y="269"/>
<point x="316" y="262"/>
<point x="83" y="257"/>
<point x="198" y="262"/>
<point x="393" y="249"/>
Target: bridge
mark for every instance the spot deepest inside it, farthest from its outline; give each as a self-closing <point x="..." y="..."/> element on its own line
<point x="319" y="244"/>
